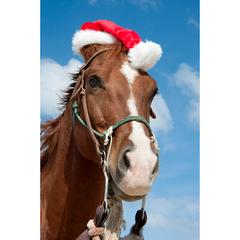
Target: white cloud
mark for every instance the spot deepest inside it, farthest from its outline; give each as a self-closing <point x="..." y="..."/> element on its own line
<point x="54" y="79"/>
<point x="92" y="2"/>
<point x="143" y="4"/>
<point x="193" y="21"/>
<point x="163" y="122"/>
<point x="176" y="215"/>
<point x="193" y="111"/>
<point x="168" y="147"/>
<point x="187" y="79"/>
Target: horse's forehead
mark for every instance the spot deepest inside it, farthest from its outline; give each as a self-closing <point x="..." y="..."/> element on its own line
<point x="130" y="77"/>
<point x="108" y="65"/>
<point x="136" y="78"/>
<point x="121" y="70"/>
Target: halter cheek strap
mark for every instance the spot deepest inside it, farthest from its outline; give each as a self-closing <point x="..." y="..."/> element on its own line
<point x="79" y="90"/>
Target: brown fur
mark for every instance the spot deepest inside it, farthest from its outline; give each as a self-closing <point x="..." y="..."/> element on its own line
<point x="113" y="50"/>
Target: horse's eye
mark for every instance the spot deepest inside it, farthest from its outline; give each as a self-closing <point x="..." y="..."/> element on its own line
<point x="94" y="82"/>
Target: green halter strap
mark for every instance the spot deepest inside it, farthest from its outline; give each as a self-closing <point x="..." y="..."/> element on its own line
<point x="114" y="127"/>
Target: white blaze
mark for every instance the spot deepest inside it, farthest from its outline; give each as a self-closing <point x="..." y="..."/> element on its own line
<point x="142" y="159"/>
<point x="130" y="73"/>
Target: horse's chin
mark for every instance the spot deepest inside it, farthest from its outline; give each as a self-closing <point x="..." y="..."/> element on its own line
<point x="123" y="196"/>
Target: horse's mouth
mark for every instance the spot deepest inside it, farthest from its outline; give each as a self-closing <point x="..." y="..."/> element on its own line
<point x="120" y="194"/>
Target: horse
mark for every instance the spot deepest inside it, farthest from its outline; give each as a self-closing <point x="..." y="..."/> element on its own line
<point x="72" y="179"/>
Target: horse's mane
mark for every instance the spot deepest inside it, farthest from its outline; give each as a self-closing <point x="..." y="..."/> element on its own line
<point x="50" y="130"/>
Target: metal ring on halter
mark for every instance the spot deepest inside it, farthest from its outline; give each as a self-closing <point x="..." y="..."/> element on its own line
<point x="103" y="158"/>
<point x="82" y="88"/>
<point x="106" y="181"/>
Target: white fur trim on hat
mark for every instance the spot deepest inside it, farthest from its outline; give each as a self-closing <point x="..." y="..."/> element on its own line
<point x="144" y="55"/>
<point x="85" y="37"/>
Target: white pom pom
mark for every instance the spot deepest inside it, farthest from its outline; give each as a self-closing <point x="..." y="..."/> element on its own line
<point x="144" y="56"/>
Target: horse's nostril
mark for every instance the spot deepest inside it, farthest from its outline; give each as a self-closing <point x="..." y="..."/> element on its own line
<point x="126" y="161"/>
<point x="156" y="168"/>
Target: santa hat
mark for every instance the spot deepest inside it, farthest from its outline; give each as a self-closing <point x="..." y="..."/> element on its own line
<point x="141" y="55"/>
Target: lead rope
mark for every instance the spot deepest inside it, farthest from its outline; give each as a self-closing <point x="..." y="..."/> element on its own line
<point x="104" y="161"/>
<point x="115" y="222"/>
<point x="154" y="140"/>
<point x="108" y="135"/>
<point x="143" y="206"/>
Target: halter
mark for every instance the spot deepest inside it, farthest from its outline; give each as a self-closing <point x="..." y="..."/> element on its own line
<point x="101" y="151"/>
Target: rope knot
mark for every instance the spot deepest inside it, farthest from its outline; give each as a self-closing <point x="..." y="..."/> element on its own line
<point x="93" y="231"/>
<point x="74" y="105"/>
<point x="108" y="134"/>
<point x="154" y="140"/>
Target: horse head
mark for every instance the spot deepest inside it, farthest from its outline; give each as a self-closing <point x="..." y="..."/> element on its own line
<point x="115" y="90"/>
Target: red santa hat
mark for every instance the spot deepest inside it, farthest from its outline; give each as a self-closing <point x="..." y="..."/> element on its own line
<point x="141" y="55"/>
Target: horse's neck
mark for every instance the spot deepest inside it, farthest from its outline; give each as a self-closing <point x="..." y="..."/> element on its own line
<point x="73" y="187"/>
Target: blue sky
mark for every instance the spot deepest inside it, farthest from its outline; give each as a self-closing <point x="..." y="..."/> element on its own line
<point x="173" y="202"/>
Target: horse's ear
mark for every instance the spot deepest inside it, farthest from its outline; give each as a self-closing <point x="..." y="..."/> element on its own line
<point x="88" y="50"/>
<point x="152" y="114"/>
